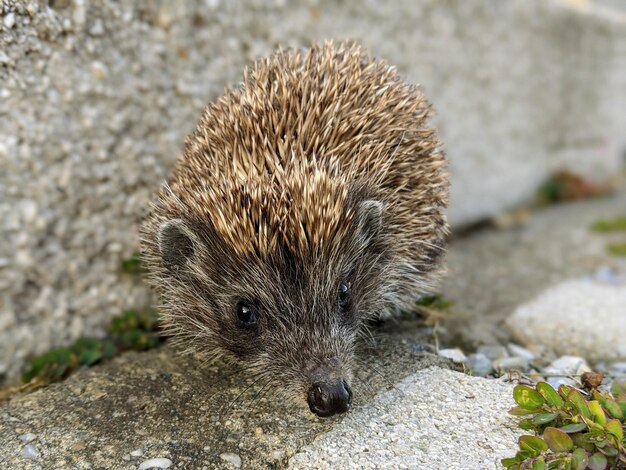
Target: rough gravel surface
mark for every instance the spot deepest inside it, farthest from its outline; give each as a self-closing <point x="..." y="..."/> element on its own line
<point x="433" y="419"/>
<point x="159" y="405"/>
<point x="580" y="318"/>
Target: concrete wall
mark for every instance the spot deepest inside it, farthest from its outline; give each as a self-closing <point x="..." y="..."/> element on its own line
<point x="96" y="97"/>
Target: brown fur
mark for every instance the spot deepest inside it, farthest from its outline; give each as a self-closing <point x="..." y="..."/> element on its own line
<point x="319" y="169"/>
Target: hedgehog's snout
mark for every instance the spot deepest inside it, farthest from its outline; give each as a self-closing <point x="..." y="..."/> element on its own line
<point x="327" y="399"/>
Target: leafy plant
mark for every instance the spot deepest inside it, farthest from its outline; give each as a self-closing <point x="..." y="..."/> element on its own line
<point x="566" y="185"/>
<point x="133" y="329"/>
<point x="136" y="330"/>
<point x="610" y="225"/>
<point x="574" y="431"/>
<point x="618" y="249"/>
<point x="431" y="308"/>
<point x="435" y="301"/>
<point x="133" y="265"/>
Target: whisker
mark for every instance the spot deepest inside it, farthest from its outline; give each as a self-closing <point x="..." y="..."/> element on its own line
<point x="259" y="395"/>
<point x="232" y="402"/>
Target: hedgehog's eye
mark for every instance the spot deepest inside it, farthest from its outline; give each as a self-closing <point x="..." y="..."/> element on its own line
<point x="246" y="314"/>
<point x="343" y="296"/>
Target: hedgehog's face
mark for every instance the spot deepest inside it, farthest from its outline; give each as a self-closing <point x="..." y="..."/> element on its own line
<point x="292" y="319"/>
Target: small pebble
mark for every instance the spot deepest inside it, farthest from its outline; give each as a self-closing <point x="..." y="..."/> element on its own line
<point x="28" y="437"/>
<point x="592" y="380"/>
<point x="493" y="352"/>
<point x="97" y="28"/>
<point x="156" y="463"/>
<point x="557" y="381"/>
<point x="479" y="364"/>
<point x="30" y="452"/>
<point x="508" y="363"/>
<point x="137" y="452"/>
<point x="607" y="274"/>
<point x="233" y="459"/>
<point x="567" y="365"/>
<point x="278" y="455"/>
<point x="423" y="348"/>
<point x="617" y="368"/>
<point x="9" y="20"/>
<point x="519" y="351"/>
<point x="455" y="354"/>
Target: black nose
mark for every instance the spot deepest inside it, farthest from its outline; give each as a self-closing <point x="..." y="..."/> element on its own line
<point x="328" y="399"/>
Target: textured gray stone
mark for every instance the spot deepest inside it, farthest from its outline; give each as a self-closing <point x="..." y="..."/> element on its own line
<point x="511" y="363"/>
<point x="493" y="352"/>
<point x="565" y="370"/>
<point x="158" y="405"/>
<point x="96" y="97"/>
<point x="404" y="427"/>
<point x="479" y="364"/>
<point x="155" y="463"/>
<point x="519" y="351"/>
<point x="455" y="354"/>
<point x="576" y="318"/>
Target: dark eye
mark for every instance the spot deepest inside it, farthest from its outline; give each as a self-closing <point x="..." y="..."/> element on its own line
<point x="343" y="296"/>
<point x="246" y="314"/>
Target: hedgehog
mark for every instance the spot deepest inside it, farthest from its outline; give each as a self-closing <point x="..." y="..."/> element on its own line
<point x="309" y="202"/>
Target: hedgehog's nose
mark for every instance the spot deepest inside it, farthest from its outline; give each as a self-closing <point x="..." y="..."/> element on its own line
<point x="328" y="399"/>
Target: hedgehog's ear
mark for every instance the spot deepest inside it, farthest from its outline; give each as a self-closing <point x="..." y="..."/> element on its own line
<point x="370" y="220"/>
<point x="177" y="244"/>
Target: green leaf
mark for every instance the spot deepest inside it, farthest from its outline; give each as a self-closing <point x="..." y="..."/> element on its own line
<point x="527" y="424"/>
<point x="617" y="249"/>
<point x="84" y="344"/>
<point x="519" y="411"/>
<point x="132" y="265"/>
<point x="57" y="371"/>
<point x="49" y="366"/>
<point x="614" y="409"/>
<point x="597" y="462"/>
<point x="585" y="441"/>
<point x="597" y="413"/>
<point x="89" y="357"/>
<point x="576" y="399"/>
<point x="539" y="464"/>
<point x="533" y="445"/>
<point x="574" y="427"/>
<point x="434" y="301"/>
<point x="621" y="401"/>
<point x="557" y="440"/>
<point x="509" y="462"/>
<point x="594" y="427"/>
<point x="528" y="398"/>
<point x="109" y="350"/>
<point x="544" y="418"/>
<point x="549" y="394"/>
<point x="609" y="225"/>
<point x="579" y="459"/>
<point x="614" y="427"/>
<point x="618" y="387"/>
<point x="609" y="404"/>
<point x="564" y="390"/>
<point x="609" y="451"/>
